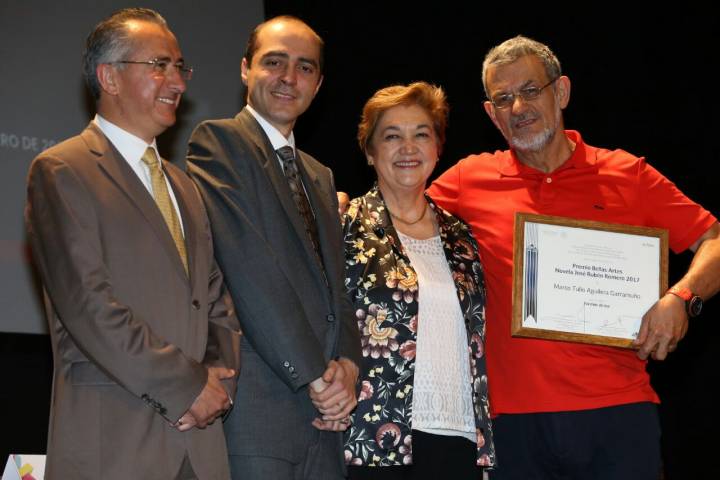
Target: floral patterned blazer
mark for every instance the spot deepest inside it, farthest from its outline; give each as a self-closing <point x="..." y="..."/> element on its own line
<point x="383" y="287"/>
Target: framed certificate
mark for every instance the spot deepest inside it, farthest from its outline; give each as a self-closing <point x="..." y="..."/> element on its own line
<point x="585" y="281"/>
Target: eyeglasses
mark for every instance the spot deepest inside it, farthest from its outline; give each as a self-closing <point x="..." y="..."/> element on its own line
<point x="162" y="66"/>
<point x="528" y="94"/>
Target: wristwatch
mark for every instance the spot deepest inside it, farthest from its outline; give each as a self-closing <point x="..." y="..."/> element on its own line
<point x="693" y="303"/>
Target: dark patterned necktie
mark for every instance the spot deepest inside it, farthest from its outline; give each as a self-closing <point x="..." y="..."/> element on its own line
<point x="287" y="155"/>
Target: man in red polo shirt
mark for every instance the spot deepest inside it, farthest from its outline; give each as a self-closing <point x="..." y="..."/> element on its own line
<point x="569" y="410"/>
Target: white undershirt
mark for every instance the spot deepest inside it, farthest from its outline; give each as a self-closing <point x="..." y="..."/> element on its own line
<point x="132" y="148"/>
<point x="442" y="392"/>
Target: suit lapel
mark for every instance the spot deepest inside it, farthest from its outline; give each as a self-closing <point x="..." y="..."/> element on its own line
<point x="270" y="163"/>
<point x="320" y="199"/>
<point x="119" y="172"/>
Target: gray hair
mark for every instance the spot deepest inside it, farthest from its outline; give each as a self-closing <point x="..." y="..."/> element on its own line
<point x="517" y="47"/>
<point x="110" y="42"/>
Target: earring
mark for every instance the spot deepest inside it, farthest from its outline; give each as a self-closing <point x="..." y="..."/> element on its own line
<point x="370" y="161"/>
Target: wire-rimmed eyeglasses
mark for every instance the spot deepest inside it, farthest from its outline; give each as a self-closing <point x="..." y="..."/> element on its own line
<point x="162" y="66"/>
<point x="528" y="94"/>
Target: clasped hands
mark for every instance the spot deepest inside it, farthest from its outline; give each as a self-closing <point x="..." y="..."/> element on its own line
<point x="334" y="395"/>
<point x="212" y="402"/>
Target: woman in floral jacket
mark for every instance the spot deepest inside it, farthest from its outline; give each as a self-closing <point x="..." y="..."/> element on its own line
<point x="423" y="409"/>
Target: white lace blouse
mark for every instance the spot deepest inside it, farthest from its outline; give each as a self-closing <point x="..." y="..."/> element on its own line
<point x="442" y="393"/>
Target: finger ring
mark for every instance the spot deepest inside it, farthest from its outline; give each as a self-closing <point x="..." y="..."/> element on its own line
<point x="345" y="420"/>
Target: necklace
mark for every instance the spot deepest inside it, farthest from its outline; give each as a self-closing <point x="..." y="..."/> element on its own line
<point x="405" y="221"/>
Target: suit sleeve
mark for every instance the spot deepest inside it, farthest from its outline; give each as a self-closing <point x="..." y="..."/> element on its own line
<point x="268" y="308"/>
<point x="64" y="233"/>
<point x="349" y="336"/>
<point x="223" y="348"/>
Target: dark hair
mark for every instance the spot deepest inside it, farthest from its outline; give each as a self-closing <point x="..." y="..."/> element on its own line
<point x="110" y="42"/>
<point x="252" y="44"/>
<point x="429" y="97"/>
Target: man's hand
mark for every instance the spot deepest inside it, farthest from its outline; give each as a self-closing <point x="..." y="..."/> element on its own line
<point x="332" y="425"/>
<point x="211" y="403"/>
<point x="662" y="327"/>
<point x="343" y="202"/>
<point x="666" y="323"/>
<point x="333" y="394"/>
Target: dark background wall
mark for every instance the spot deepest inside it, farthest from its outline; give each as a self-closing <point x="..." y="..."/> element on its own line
<point x="643" y="82"/>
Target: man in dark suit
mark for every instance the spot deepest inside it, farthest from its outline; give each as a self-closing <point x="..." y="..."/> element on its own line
<point x="145" y="341"/>
<point x="273" y="210"/>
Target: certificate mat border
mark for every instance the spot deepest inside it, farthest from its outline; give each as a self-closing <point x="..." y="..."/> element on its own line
<point x="517" y="328"/>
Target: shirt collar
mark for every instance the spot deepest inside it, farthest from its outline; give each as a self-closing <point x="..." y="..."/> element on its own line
<point x="510" y="166"/>
<point x="130" y="147"/>
<point x="276" y="138"/>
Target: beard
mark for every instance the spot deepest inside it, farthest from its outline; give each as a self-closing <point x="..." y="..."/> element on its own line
<point x="532" y="143"/>
<point x="538" y="141"/>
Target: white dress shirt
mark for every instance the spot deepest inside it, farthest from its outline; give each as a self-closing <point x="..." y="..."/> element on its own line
<point x="278" y="140"/>
<point x="132" y="149"/>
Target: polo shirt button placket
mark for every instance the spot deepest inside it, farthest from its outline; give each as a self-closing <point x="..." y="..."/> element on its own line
<point x="547" y="192"/>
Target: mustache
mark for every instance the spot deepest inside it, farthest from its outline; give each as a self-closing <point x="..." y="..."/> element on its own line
<point x="523" y="117"/>
<point x="283" y="89"/>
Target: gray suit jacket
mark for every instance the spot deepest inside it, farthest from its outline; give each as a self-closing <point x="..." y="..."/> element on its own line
<point x="295" y="318"/>
<point x="131" y="333"/>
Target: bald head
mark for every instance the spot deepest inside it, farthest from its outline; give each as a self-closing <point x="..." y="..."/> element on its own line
<point x="254" y="42"/>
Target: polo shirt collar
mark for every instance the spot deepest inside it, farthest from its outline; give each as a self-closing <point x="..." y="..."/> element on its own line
<point x="582" y="157"/>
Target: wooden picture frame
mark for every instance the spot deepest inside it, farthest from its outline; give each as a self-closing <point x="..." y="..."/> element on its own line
<point x="585" y="281"/>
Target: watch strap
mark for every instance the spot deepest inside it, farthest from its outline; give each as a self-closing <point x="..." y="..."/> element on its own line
<point x="681" y="292"/>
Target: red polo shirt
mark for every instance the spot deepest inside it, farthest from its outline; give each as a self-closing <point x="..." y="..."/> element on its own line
<point x="528" y="375"/>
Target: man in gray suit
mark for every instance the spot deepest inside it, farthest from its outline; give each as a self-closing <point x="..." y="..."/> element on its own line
<point x="145" y="341"/>
<point x="273" y="210"/>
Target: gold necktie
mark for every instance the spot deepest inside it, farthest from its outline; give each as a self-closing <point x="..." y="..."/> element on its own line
<point x="164" y="203"/>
